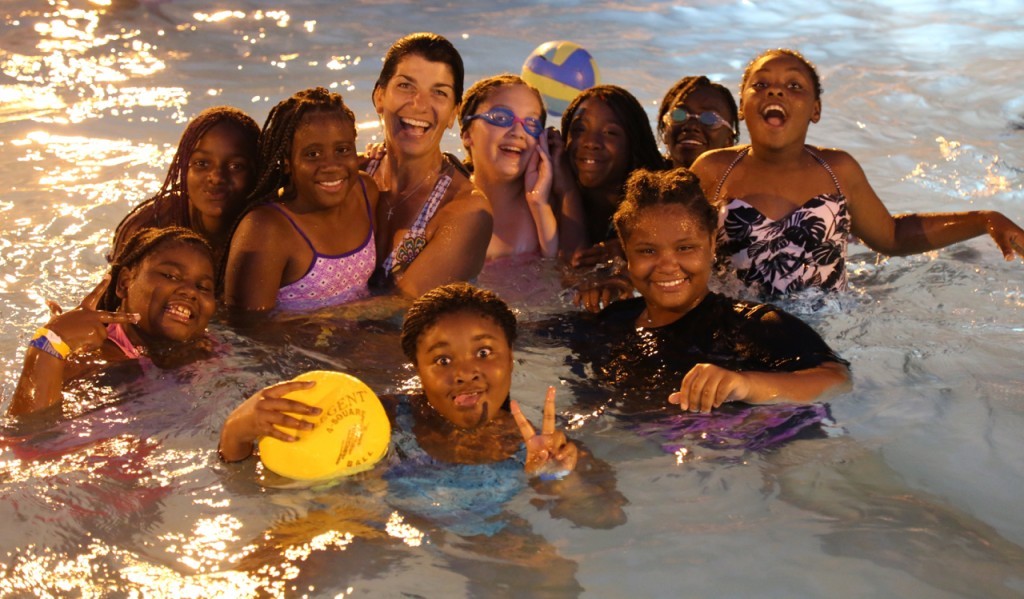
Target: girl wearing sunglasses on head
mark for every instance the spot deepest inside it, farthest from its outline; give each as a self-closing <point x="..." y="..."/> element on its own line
<point x="506" y="145"/>
<point x="696" y="115"/>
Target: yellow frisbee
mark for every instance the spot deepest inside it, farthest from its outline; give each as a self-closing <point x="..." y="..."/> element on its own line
<point x="351" y="433"/>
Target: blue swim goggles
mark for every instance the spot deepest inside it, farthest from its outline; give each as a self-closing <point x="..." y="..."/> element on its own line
<point x="708" y="118"/>
<point x="503" y="117"/>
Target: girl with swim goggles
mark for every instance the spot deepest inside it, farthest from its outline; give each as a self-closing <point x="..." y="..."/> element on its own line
<point x="511" y="164"/>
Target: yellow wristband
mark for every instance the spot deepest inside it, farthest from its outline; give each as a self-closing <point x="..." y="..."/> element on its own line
<point x="51" y="343"/>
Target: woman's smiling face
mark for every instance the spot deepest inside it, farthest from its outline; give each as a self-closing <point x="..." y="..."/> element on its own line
<point x="417" y="105"/>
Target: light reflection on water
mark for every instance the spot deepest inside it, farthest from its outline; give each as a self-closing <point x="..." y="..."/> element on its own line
<point x="124" y="494"/>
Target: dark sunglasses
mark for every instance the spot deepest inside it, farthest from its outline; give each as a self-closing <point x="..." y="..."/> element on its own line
<point x="503" y="117"/>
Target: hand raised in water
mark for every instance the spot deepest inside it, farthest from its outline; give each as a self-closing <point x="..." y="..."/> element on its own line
<point x="550" y="454"/>
<point x="85" y="327"/>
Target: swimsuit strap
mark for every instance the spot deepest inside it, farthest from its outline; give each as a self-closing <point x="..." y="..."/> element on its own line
<point x="117" y="334"/>
<point x="366" y="202"/>
<point x="746" y="150"/>
<point x="414" y="238"/>
<point x="369" y="214"/>
<point x="825" y="165"/>
<point x="281" y="209"/>
<point x="721" y="181"/>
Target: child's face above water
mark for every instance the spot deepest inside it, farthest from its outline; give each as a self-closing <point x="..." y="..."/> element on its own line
<point x="220" y="172"/>
<point x="598" y="145"/>
<point x="172" y="290"/>
<point x="778" y="101"/>
<point x="669" y="258"/>
<point x="323" y="163"/>
<point x="465" y="365"/>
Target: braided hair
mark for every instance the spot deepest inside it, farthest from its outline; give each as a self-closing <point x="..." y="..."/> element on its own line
<point x="278" y="132"/>
<point x="140" y="245"/>
<point x="686" y="86"/>
<point x="170" y="205"/>
<point x="643" y="148"/>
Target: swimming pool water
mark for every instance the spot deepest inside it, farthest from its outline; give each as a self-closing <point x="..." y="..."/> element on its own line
<point x="914" y="490"/>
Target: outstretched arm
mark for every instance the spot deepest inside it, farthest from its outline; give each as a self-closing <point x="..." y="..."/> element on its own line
<point x="915" y="233"/>
<point x="46" y="360"/>
<point x="707" y="386"/>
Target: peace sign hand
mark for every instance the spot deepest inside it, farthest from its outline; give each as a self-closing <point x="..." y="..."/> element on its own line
<point x="85" y="327"/>
<point x="550" y="454"/>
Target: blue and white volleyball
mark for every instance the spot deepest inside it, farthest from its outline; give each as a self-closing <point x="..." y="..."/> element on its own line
<point x="560" y="70"/>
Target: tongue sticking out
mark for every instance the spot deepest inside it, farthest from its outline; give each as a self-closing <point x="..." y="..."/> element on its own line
<point x="466" y="400"/>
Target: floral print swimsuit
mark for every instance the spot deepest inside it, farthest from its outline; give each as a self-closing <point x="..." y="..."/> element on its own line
<point x="802" y="250"/>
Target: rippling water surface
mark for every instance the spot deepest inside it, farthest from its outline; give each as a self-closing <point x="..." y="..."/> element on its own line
<point x="914" y="491"/>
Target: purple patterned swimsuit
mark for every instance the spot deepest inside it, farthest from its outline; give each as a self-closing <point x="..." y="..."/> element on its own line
<point x="330" y="280"/>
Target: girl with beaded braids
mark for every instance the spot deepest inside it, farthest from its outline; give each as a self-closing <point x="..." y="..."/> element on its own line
<point x="211" y="174"/>
<point x="307" y="239"/>
<point x="788" y="208"/>
<point x="154" y="305"/>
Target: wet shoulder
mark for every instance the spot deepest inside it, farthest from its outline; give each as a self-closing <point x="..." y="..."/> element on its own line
<point x="710" y="167"/>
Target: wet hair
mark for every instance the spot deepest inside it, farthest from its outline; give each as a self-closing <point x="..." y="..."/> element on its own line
<point x="279" y="131"/>
<point x="431" y="47"/>
<point x="478" y="93"/>
<point x="175" y="183"/>
<point x="682" y="89"/>
<point x="454" y="298"/>
<point x="643" y="148"/>
<point x="811" y="69"/>
<point x="142" y="244"/>
<point x="676" y="187"/>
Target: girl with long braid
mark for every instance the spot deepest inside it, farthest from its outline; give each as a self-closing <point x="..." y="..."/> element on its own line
<point x="153" y="306"/>
<point x="307" y="239"/>
<point x="211" y="174"/>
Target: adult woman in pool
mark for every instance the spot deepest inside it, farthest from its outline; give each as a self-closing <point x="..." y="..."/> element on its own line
<point x="434" y="225"/>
